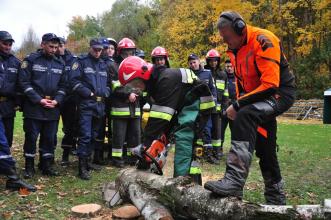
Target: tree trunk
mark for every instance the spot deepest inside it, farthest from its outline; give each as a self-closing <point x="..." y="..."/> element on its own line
<point x="190" y="201"/>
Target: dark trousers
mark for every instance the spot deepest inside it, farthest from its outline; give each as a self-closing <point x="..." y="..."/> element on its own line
<point x="47" y="130"/>
<point x="261" y="114"/>
<point x="100" y="139"/>
<point x="9" y="129"/>
<point x="6" y="160"/>
<point x="70" y="124"/>
<point x="125" y="129"/>
<point x="89" y="127"/>
<point x="225" y="121"/>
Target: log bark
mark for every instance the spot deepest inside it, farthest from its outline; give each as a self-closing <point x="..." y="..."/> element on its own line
<point x="186" y="200"/>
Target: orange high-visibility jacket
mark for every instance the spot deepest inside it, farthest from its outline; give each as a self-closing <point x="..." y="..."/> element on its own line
<point x="260" y="66"/>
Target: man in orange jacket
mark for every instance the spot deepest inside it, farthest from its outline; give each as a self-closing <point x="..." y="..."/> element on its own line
<point x="265" y="89"/>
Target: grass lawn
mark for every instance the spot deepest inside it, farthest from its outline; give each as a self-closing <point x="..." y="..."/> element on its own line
<point x="304" y="154"/>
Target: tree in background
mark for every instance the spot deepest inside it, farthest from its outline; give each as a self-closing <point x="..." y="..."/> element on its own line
<point x="30" y="43"/>
<point x="189" y="26"/>
<point x="81" y="30"/>
<point x="185" y="27"/>
<point x="129" y="18"/>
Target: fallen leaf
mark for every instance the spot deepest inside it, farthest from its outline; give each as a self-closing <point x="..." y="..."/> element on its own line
<point x="62" y="194"/>
<point x="42" y="193"/>
<point x="40" y="186"/>
<point x="7" y="215"/>
<point x="23" y="192"/>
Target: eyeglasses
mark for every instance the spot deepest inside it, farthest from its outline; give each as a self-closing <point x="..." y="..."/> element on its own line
<point x="228" y="67"/>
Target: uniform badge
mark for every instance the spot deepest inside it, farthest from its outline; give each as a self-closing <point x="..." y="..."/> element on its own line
<point x="74" y="66"/>
<point x="24" y="64"/>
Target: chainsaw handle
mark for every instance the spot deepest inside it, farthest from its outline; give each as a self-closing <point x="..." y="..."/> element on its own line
<point x="159" y="169"/>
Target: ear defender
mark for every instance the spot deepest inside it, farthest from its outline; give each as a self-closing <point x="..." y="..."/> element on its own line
<point x="238" y="24"/>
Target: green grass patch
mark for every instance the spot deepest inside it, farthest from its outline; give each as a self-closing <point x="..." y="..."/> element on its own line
<point x="304" y="155"/>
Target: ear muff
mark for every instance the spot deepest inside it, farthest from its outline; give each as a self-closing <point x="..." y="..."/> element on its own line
<point x="238" y="24"/>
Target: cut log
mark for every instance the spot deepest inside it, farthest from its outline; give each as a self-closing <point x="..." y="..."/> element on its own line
<point x="86" y="210"/>
<point x="187" y="200"/>
<point x="126" y="212"/>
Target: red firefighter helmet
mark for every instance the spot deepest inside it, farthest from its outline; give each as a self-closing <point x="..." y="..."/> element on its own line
<point x="132" y="68"/>
<point x="125" y="43"/>
<point x="213" y="54"/>
<point x="159" y="52"/>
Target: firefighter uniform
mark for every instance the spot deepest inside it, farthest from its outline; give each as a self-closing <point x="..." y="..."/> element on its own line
<point x="69" y="113"/>
<point x="220" y="80"/>
<point x="126" y="116"/>
<point x="9" y="98"/>
<point x="89" y="75"/>
<point x="205" y="76"/>
<point x="41" y="77"/>
<point x="7" y="165"/>
<point x="265" y="89"/>
<point x="231" y="83"/>
<point x="98" y="157"/>
<point x="126" y="123"/>
<point x="179" y="99"/>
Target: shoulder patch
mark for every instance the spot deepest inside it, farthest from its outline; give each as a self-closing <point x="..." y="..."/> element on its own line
<point x="264" y="42"/>
<point x="74" y="66"/>
<point x="24" y="64"/>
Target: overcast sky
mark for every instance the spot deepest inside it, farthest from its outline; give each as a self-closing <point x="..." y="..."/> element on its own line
<point x="45" y="15"/>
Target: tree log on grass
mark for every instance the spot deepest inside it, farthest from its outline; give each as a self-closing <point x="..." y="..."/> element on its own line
<point x="155" y="195"/>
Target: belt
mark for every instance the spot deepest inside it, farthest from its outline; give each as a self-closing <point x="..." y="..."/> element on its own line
<point x="3" y="99"/>
<point x="48" y="97"/>
<point x="98" y="98"/>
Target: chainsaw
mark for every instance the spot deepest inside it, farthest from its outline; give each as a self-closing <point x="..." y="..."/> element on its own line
<point x="154" y="157"/>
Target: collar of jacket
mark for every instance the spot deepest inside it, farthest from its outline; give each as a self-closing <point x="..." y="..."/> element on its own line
<point x="5" y="55"/>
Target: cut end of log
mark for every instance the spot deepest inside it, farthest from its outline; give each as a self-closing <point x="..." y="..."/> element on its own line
<point x="86" y="210"/>
<point x="126" y="212"/>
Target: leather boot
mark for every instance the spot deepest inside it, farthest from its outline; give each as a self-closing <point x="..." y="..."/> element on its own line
<point x="82" y="167"/>
<point x="237" y="168"/>
<point x="208" y="155"/>
<point x="47" y="168"/>
<point x="15" y="183"/>
<point x="65" y="157"/>
<point x="29" y="168"/>
<point x="217" y="154"/>
<point x="273" y="192"/>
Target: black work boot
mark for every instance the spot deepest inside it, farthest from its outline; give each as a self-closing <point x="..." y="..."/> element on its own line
<point x="48" y="169"/>
<point x="15" y="183"/>
<point x="65" y="157"/>
<point x="217" y="154"/>
<point x="29" y="168"/>
<point x="117" y="162"/>
<point x="273" y="192"/>
<point x="82" y="167"/>
<point x="237" y="168"/>
<point x="208" y="155"/>
<point x="98" y="157"/>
